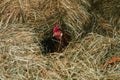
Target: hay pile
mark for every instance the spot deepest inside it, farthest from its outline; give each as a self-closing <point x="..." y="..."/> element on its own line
<point x="107" y="16"/>
<point x="47" y="13"/>
<point x="23" y="23"/>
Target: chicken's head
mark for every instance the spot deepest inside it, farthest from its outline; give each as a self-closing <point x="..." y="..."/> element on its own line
<point x="57" y="33"/>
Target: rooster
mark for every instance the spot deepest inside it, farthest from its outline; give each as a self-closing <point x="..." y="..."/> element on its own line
<point x="55" y="43"/>
<point x="57" y="33"/>
<point x="61" y="37"/>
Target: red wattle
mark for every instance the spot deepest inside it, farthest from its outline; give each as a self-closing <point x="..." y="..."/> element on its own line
<point x="58" y="35"/>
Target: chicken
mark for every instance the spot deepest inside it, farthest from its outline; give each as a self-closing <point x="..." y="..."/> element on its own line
<point x="61" y="37"/>
<point x="57" y="43"/>
<point x="57" y="33"/>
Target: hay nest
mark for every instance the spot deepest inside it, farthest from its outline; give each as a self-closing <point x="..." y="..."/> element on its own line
<point x="43" y="15"/>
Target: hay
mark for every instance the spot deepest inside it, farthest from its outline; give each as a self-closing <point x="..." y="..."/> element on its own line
<point x="81" y="60"/>
<point x="107" y="16"/>
<point x="47" y="13"/>
<point x="23" y="23"/>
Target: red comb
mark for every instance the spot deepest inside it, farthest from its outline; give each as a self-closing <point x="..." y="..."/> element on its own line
<point x="56" y="28"/>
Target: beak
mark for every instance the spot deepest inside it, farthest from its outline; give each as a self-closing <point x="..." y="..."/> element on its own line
<point x="53" y="35"/>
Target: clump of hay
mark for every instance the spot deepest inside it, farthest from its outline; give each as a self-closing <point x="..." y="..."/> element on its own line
<point x="107" y="16"/>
